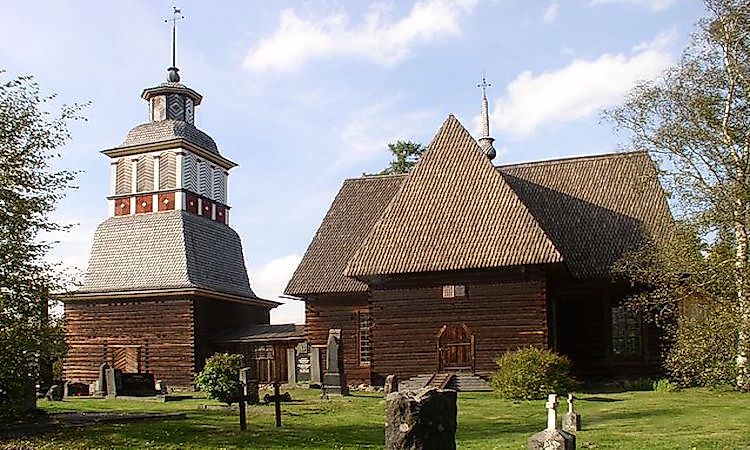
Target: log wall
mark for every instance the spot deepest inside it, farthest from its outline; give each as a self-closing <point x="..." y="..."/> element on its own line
<point x="162" y="330"/>
<point x="503" y="311"/>
<point x="338" y="311"/>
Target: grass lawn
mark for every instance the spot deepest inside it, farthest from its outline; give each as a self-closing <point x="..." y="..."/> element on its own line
<point x="694" y="418"/>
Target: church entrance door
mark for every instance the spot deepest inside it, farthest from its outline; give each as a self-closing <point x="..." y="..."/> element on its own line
<point x="455" y="348"/>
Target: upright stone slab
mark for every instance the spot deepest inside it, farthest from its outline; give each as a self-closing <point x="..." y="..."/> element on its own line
<point x="425" y="419"/>
<point x="114" y="382"/>
<point x="334" y="379"/>
<point x="571" y="421"/>
<point x="316" y="379"/>
<point x="291" y="366"/>
<point x="391" y="384"/>
<point x="552" y="438"/>
<point x="249" y="380"/>
<point x="101" y="387"/>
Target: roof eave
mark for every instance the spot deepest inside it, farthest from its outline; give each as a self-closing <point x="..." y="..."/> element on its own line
<point x="172" y="292"/>
<point x="169" y="144"/>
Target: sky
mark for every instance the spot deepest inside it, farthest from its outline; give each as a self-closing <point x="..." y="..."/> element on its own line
<point x="303" y="95"/>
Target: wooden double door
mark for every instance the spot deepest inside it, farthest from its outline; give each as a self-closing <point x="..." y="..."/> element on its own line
<point x="455" y="348"/>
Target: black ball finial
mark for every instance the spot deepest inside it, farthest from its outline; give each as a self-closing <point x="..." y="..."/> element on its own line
<point x="172" y="75"/>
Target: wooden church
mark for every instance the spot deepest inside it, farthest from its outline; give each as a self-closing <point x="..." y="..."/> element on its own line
<point x="449" y="266"/>
<point x="166" y="272"/>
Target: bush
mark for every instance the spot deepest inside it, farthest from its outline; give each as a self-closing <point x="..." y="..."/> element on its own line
<point x="703" y="350"/>
<point x="664" y="385"/>
<point x="220" y="378"/>
<point x="532" y="373"/>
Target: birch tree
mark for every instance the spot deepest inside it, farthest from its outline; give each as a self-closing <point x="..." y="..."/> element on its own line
<point x="694" y="120"/>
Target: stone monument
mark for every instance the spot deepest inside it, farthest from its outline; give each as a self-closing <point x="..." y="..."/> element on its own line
<point x="101" y="385"/>
<point x="571" y="421"/>
<point x="334" y="379"/>
<point x="391" y="384"/>
<point x="422" y="420"/>
<point x="552" y="438"/>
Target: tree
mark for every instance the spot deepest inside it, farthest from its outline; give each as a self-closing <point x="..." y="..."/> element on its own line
<point x="405" y="156"/>
<point x="695" y="122"/>
<point x="29" y="191"/>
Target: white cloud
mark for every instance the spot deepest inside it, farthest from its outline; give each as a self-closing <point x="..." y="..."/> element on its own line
<point x="369" y="130"/>
<point x="269" y="282"/>
<point x="577" y="90"/>
<point x="656" y="5"/>
<point x="550" y="14"/>
<point x="299" y="40"/>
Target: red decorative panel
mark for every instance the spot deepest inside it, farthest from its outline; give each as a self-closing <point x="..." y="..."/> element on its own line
<point x="221" y="214"/>
<point x="144" y="204"/>
<point x="166" y="201"/>
<point x="206" y="208"/>
<point x="191" y="203"/>
<point x="122" y="206"/>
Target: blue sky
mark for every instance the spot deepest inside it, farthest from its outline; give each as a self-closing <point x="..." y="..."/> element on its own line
<point x="305" y="94"/>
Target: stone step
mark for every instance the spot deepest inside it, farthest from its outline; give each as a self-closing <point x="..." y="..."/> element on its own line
<point x="464" y="382"/>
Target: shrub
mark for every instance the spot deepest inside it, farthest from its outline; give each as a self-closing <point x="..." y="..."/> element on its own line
<point x="703" y="350"/>
<point x="219" y="379"/>
<point x="664" y="385"/>
<point x="532" y="373"/>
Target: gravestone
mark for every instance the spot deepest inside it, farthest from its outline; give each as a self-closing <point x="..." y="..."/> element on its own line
<point x="315" y="367"/>
<point x="249" y="381"/>
<point x="334" y="379"/>
<point x="137" y="384"/>
<point x="552" y="438"/>
<point x="75" y="389"/>
<point x="391" y="384"/>
<point x="101" y="388"/>
<point x="162" y="387"/>
<point x="571" y="421"/>
<point x="302" y="363"/>
<point x="55" y="393"/>
<point x="425" y="419"/>
<point x="113" y="382"/>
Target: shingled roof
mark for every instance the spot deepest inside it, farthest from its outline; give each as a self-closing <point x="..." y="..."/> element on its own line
<point x="167" y="130"/>
<point x="354" y="211"/>
<point x="591" y="209"/>
<point x="453" y="212"/>
<point x="166" y="250"/>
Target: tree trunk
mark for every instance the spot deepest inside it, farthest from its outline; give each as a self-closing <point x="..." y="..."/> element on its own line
<point x="743" y="299"/>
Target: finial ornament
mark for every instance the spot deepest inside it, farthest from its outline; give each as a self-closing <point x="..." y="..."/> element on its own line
<point x="486" y="141"/>
<point x="173" y="75"/>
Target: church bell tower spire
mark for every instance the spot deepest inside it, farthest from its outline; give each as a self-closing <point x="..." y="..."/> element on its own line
<point x="485" y="142"/>
<point x="173" y="75"/>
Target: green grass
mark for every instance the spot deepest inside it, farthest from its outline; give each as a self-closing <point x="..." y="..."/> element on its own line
<point x="693" y="418"/>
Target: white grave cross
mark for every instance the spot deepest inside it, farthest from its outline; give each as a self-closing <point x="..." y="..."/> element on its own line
<point x="551" y="412"/>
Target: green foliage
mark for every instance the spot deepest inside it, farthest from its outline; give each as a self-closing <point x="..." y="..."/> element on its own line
<point x="532" y="373"/>
<point x="693" y="120"/>
<point x="220" y="378"/>
<point x="405" y="157"/>
<point x="665" y="385"/>
<point x="703" y="349"/>
<point x="29" y="191"/>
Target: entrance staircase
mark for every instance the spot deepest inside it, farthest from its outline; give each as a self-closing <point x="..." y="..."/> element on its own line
<point x="464" y="382"/>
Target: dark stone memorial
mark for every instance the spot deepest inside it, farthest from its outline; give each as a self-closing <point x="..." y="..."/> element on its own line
<point x="101" y="386"/>
<point x="120" y="383"/>
<point x="249" y="380"/>
<point x="422" y="420"/>
<point x="334" y="379"/>
<point x="75" y="389"/>
<point x="391" y="384"/>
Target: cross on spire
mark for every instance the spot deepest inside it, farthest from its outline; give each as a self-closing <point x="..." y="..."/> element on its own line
<point x="173" y="75"/>
<point x="484" y="85"/>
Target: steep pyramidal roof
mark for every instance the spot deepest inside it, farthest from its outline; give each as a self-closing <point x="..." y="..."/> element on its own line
<point x="453" y="212"/>
<point x="166" y="250"/>
<point x="592" y="208"/>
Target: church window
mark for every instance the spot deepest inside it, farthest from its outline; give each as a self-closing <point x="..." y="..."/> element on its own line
<point x="123" y="177"/>
<point x="189" y="173"/>
<point x="626" y="331"/>
<point x="145" y="174"/>
<point x="219" y="186"/>
<point x="167" y="171"/>
<point x="363" y="337"/>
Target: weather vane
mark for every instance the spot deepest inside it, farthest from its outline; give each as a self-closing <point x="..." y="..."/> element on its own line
<point x="484" y="85"/>
<point x="173" y="71"/>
